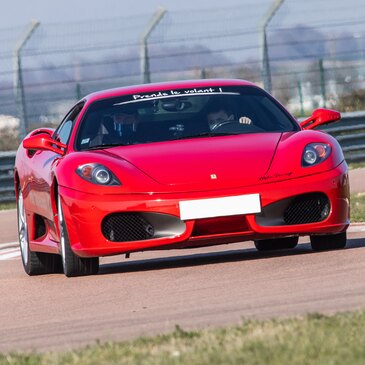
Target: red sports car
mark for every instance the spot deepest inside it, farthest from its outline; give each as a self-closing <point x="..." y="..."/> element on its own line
<point x="177" y="165"/>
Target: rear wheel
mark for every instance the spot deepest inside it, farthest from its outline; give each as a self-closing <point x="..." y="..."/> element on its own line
<point x="73" y="265"/>
<point x="34" y="263"/>
<point x="329" y="241"/>
<point x="276" y="243"/>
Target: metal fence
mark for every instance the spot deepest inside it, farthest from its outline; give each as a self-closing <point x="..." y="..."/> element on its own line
<point x="349" y="132"/>
<point x="46" y="68"/>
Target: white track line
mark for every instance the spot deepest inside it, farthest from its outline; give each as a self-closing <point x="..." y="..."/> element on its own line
<point x="356" y="229"/>
<point x="9" y="254"/>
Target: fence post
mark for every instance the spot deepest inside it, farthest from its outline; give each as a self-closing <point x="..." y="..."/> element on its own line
<point x="145" y="62"/>
<point x="323" y="82"/>
<point x="300" y="92"/>
<point x="18" y="79"/>
<point x="78" y="91"/>
<point x="265" y="63"/>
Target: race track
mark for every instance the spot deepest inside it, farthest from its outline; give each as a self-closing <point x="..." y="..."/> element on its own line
<point x="148" y="294"/>
<point x="152" y="292"/>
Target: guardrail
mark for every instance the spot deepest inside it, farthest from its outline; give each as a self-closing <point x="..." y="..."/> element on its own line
<point x="7" y="161"/>
<point x="349" y="132"/>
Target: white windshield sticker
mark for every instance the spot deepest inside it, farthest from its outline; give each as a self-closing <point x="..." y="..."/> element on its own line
<point x="85" y="140"/>
<point x="209" y="90"/>
<point x="177" y="93"/>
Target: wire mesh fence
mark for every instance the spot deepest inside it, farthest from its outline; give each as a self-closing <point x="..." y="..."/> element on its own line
<point x="320" y="63"/>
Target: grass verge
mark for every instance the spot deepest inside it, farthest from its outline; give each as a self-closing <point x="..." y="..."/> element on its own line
<point x="5" y="206"/>
<point x="356" y="165"/>
<point x="358" y="207"/>
<point x="313" y="339"/>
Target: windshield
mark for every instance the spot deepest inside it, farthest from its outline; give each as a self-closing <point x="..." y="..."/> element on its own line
<point x="181" y="114"/>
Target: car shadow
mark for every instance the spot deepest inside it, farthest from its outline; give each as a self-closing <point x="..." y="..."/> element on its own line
<point x="212" y="258"/>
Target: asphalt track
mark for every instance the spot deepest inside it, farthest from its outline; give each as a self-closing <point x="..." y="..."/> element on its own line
<point x="153" y="291"/>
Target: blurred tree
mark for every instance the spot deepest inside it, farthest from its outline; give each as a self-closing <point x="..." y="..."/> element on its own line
<point x="352" y="101"/>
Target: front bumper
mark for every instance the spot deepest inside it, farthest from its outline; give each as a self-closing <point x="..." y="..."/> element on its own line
<point x="84" y="214"/>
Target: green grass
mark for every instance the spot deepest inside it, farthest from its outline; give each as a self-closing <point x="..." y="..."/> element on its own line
<point x="5" y="206"/>
<point x="358" y="207"/>
<point x="356" y="165"/>
<point x="314" y="339"/>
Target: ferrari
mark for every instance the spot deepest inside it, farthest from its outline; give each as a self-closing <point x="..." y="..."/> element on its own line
<point x="177" y="165"/>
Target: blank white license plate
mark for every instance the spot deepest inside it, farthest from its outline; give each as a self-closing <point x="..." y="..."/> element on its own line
<point x="218" y="207"/>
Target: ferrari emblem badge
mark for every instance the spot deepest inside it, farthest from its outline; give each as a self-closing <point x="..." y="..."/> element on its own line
<point x="213" y="176"/>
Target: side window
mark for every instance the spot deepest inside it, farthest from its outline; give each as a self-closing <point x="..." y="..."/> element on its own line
<point x="64" y="130"/>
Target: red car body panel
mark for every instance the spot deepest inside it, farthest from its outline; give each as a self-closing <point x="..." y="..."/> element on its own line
<point x="155" y="177"/>
<point x="95" y="208"/>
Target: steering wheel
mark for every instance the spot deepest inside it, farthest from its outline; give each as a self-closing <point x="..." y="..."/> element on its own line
<point x="220" y="124"/>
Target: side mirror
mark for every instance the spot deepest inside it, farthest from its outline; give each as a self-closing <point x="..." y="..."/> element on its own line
<point x="320" y="117"/>
<point x="44" y="142"/>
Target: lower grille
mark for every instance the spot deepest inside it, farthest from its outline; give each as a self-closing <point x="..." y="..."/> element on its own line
<point x="307" y="208"/>
<point x="121" y="227"/>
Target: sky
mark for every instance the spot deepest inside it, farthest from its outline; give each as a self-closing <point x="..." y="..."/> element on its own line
<point x="89" y="20"/>
<point x="19" y="12"/>
<point x="74" y="25"/>
<point x="74" y="32"/>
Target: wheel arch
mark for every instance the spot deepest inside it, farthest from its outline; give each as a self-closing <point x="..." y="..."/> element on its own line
<point x="54" y="197"/>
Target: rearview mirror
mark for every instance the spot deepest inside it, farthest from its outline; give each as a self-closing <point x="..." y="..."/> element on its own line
<point x="320" y="117"/>
<point x="176" y="105"/>
<point x="44" y="142"/>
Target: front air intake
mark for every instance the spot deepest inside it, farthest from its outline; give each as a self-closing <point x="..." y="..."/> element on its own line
<point x="122" y="227"/>
<point x="307" y="208"/>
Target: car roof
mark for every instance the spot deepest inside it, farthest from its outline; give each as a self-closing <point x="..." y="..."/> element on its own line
<point x="103" y="94"/>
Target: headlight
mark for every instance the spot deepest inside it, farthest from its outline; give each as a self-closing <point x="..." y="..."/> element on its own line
<point x="97" y="174"/>
<point x="315" y="153"/>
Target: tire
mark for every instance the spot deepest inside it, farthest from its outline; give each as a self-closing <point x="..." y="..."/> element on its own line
<point x="276" y="243"/>
<point x="328" y="241"/>
<point x="72" y="264"/>
<point x="34" y="263"/>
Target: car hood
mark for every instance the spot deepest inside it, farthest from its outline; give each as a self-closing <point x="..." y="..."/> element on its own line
<point x="205" y="163"/>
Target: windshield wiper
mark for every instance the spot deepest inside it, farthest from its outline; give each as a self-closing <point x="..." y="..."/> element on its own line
<point x="206" y="134"/>
<point x="107" y="145"/>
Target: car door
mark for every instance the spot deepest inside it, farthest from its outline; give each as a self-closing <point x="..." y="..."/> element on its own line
<point x="43" y="164"/>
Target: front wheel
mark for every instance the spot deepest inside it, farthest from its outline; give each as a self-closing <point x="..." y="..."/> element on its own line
<point x="73" y="265"/>
<point x="276" y="243"/>
<point x="329" y="241"/>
